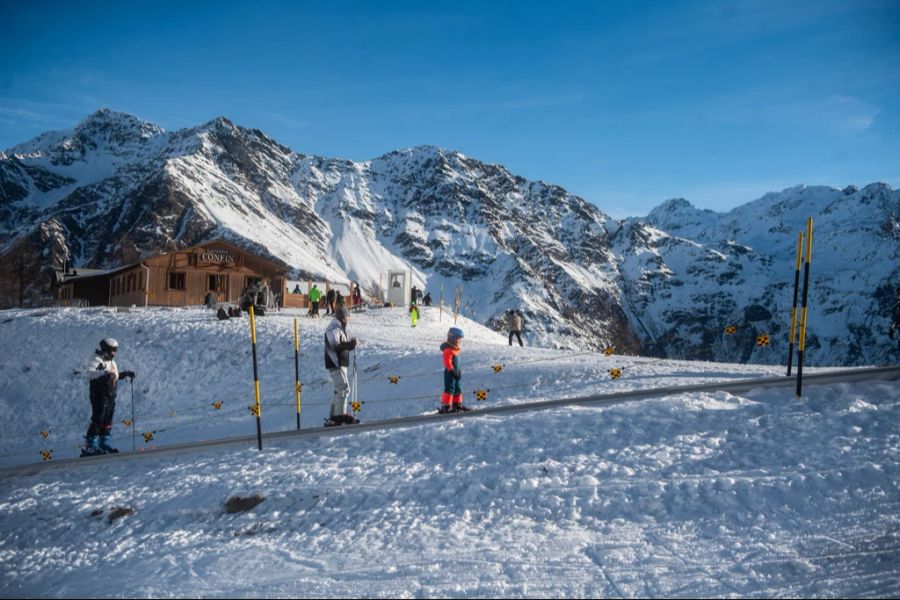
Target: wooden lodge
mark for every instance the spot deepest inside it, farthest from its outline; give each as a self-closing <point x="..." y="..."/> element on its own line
<point x="180" y="278"/>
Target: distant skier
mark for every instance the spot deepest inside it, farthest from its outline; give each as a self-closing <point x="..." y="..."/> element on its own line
<point x="315" y="294"/>
<point x="337" y="361"/>
<point x="514" y="322"/>
<point x="451" y="400"/>
<point x="355" y="295"/>
<point x="104" y="375"/>
<point x="413" y="295"/>
<point x="329" y="302"/>
<point x="427" y="299"/>
<point x="895" y="322"/>
<point x="414" y="314"/>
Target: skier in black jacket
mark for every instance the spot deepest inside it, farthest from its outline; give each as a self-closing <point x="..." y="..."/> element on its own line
<point x="104" y="375"/>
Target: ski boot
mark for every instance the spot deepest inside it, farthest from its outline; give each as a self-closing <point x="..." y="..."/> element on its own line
<point x="344" y="419"/>
<point x="90" y="447"/>
<point x="458" y="407"/>
<point x="445" y="409"/>
<point x="106" y="448"/>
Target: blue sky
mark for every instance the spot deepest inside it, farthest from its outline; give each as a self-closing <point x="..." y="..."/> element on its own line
<point x="624" y="103"/>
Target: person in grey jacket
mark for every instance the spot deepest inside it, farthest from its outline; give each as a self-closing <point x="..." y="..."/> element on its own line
<point x="895" y="319"/>
<point x="338" y="345"/>
<point x="514" y="322"/>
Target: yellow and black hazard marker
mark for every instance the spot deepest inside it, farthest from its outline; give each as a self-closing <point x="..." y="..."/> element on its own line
<point x="126" y="422"/>
<point x="615" y="373"/>
<point x="609" y="351"/>
<point x="45" y="434"/>
<point x="217" y="405"/>
<point x="762" y="340"/>
<point x="481" y="395"/>
<point x="254" y="410"/>
<point x="148" y="436"/>
<point x="47" y="454"/>
<point x="497" y="368"/>
<point x="356" y="406"/>
<point x="394" y="378"/>
<point x="730" y="330"/>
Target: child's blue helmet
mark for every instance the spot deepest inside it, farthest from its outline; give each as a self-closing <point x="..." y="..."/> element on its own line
<point x="455" y="333"/>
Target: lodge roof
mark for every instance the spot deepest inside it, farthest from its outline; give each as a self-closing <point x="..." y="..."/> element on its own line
<point x="82" y="274"/>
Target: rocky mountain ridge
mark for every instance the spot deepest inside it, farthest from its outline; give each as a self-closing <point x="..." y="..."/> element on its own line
<point x="116" y="188"/>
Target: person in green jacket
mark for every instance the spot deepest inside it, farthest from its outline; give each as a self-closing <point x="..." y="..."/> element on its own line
<point x="314" y="296"/>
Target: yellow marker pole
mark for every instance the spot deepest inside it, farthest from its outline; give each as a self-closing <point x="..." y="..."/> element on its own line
<point x="258" y="410"/>
<point x="297" y="368"/>
<point x="809" y="233"/>
<point x="790" y="359"/>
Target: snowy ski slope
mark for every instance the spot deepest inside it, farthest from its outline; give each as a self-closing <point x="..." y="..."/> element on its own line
<point x="698" y="495"/>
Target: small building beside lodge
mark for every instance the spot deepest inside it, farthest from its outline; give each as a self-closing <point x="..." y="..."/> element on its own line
<point x="180" y="278"/>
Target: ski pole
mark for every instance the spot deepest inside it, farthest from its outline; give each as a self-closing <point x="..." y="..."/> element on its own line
<point x="133" y="425"/>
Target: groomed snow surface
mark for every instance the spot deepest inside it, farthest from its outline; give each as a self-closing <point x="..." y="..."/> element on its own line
<point x="698" y="495"/>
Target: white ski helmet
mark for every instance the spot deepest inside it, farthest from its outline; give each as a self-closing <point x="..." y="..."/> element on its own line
<point x="109" y="345"/>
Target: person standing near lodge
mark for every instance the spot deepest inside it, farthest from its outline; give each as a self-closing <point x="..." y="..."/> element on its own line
<point x="329" y="302"/>
<point x="338" y="345"/>
<point x="895" y="318"/>
<point x="427" y="299"/>
<point x="356" y="294"/>
<point x="514" y="322"/>
<point x="104" y="375"/>
<point x="314" y="296"/>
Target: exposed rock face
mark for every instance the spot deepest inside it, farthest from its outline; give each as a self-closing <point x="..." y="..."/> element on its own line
<point x="116" y="188"/>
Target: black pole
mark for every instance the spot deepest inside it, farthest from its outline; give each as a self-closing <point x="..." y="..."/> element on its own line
<point x="297" y="371"/>
<point x="809" y="225"/>
<point x="790" y="357"/>
<point x="257" y="409"/>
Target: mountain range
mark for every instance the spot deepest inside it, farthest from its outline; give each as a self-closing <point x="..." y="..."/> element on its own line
<point x="116" y="188"/>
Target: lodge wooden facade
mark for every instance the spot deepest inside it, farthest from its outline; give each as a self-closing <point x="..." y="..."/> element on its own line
<point x="181" y="278"/>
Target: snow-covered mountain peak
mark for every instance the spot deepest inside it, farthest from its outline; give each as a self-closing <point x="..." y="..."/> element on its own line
<point x="118" y="188"/>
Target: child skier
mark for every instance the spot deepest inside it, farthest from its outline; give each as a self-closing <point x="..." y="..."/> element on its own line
<point x="451" y="400"/>
<point x="414" y="314"/>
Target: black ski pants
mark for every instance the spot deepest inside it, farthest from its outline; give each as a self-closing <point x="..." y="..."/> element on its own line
<point x="518" y="334"/>
<point x="102" y="409"/>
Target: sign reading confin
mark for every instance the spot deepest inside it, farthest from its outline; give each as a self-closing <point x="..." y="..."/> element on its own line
<point x="219" y="256"/>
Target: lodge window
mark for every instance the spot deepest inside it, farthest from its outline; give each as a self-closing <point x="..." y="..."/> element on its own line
<point x="216" y="283"/>
<point x="176" y="281"/>
<point x="192" y="260"/>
